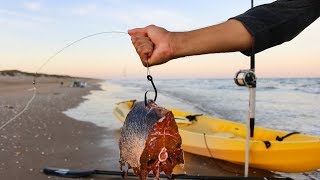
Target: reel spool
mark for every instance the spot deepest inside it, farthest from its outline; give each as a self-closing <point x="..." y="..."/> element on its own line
<point x="246" y="78"/>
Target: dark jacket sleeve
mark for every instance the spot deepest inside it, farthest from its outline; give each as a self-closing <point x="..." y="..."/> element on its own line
<point x="275" y="23"/>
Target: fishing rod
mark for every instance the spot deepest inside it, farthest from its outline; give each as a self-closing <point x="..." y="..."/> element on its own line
<point x="80" y="173"/>
<point x="248" y="78"/>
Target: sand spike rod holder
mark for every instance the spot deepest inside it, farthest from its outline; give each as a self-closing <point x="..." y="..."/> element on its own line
<point x="249" y="79"/>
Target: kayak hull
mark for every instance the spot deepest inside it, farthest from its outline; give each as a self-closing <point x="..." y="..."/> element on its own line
<point x="225" y="140"/>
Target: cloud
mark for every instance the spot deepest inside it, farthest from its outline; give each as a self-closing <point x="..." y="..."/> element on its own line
<point x="33" y="6"/>
<point x="83" y="10"/>
<point x="140" y="16"/>
<point x="14" y="17"/>
<point x="125" y="14"/>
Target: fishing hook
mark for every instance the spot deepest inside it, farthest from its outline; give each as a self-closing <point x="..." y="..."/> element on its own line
<point x="149" y="77"/>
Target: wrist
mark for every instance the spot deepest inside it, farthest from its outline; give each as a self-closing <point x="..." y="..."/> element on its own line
<point x="177" y="45"/>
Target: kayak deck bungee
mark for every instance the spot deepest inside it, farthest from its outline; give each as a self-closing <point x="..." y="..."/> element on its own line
<point x="222" y="139"/>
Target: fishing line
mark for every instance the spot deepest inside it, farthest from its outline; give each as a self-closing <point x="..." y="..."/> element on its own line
<point x="148" y="69"/>
<point x="22" y="111"/>
<point x="216" y="160"/>
<point x="45" y="63"/>
<point x="76" y="41"/>
<point x="149" y="78"/>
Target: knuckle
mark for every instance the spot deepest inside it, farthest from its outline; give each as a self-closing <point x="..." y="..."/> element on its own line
<point x="151" y="26"/>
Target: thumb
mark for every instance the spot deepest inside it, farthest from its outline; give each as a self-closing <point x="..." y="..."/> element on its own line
<point x="141" y="31"/>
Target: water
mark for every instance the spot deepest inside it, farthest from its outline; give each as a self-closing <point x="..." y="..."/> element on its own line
<point x="283" y="104"/>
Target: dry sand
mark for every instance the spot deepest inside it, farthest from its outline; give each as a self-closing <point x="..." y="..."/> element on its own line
<point x="43" y="136"/>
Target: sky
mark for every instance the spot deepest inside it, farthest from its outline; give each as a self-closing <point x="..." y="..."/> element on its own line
<point x="32" y="31"/>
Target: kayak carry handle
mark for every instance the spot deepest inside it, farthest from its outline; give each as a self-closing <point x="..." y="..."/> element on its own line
<point x="278" y="138"/>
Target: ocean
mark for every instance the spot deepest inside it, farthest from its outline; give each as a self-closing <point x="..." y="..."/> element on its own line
<point x="290" y="104"/>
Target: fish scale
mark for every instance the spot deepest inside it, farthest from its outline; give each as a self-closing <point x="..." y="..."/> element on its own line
<point x="145" y="125"/>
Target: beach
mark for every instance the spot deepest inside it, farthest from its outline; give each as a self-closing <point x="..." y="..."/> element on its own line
<point x="43" y="136"/>
<point x="74" y="128"/>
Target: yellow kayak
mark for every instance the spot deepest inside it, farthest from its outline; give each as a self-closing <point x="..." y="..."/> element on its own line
<point x="222" y="139"/>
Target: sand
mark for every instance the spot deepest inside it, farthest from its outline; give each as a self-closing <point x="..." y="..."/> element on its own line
<point x="44" y="137"/>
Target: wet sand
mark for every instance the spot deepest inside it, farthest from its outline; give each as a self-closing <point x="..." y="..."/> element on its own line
<point x="44" y="137"/>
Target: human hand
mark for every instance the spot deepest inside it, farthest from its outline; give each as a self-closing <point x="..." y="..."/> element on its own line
<point x="153" y="44"/>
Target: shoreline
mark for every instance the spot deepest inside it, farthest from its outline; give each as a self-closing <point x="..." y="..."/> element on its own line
<point x="43" y="136"/>
<point x="195" y="164"/>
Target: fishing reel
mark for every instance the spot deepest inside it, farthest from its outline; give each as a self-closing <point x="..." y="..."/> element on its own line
<point x="246" y="78"/>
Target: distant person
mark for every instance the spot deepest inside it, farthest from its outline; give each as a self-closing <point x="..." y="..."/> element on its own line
<point x="61" y="83"/>
<point x="257" y="29"/>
